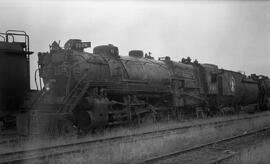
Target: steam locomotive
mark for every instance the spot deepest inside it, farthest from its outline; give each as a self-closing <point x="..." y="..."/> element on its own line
<point x="84" y="91"/>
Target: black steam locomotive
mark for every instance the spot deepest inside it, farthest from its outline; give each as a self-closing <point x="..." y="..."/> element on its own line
<point x="83" y="91"/>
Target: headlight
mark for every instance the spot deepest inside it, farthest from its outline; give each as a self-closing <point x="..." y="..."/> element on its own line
<point x="47" y="87"/>
<point x="49" y="84"/>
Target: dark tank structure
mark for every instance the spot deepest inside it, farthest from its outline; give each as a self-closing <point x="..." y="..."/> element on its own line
<point x="84" y="91"/>
<point x="14" y="81"/>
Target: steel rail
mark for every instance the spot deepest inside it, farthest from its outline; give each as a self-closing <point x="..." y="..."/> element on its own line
<point x="222" y="159"/>
<point x="43" y="152"/>
<point x="198" y="147"/>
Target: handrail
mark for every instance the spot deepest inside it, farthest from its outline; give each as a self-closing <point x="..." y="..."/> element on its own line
<point x="73" y="91"/>
<point x="2" y="35"/>
<point x="13" y="33"/>
<point x="83" y="76"/>
<point x="36" y="79"/>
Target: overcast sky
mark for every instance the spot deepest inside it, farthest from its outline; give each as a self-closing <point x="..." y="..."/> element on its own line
<point x="232" y="35"/>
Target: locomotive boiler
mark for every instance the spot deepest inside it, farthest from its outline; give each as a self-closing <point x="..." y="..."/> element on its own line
<point x="83" y="91"/>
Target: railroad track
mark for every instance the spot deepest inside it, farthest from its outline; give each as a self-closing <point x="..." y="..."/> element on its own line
<point x="58" y="150"/>
<point x="13" y="140"/>
<point x="186" y="155"/>
<point x="17" y="140"/>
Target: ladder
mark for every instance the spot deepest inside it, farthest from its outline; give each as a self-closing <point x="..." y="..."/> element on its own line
<point x="73" y="98"/>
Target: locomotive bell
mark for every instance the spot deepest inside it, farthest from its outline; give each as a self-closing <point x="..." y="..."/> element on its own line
<point x="76" y="44"/>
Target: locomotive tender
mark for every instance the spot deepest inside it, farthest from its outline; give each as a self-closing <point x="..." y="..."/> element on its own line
<point x="83" y="91"/>
<point x="14" y="81"/>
